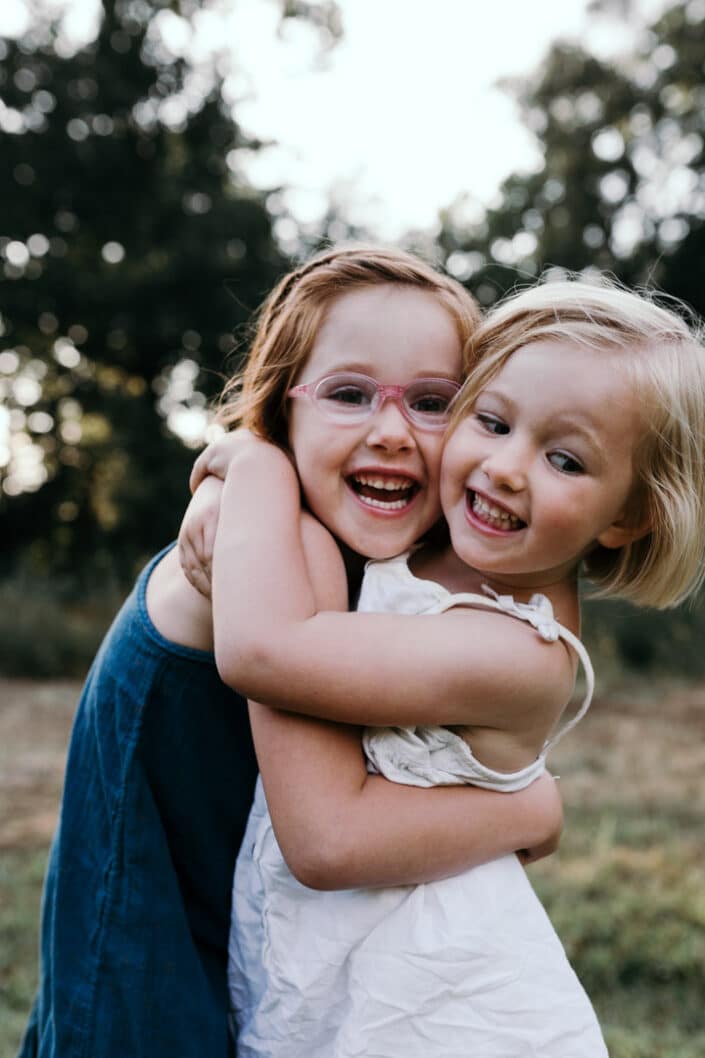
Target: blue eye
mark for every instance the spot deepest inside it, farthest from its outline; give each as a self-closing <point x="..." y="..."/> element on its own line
<point x="492" y="424"/>
<point x="567" y="464"/>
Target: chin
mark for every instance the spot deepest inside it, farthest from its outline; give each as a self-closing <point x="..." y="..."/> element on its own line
<point x="378" y="549"/>
<point x="380" y="545"/>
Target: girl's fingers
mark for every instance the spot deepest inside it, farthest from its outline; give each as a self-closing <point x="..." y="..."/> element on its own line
<point x="197" y="535"/>
<point x="215" y="460"/>
<point x="200" y="579"/>
<point x="195" y="563"/>
<point x="199" y="470"/>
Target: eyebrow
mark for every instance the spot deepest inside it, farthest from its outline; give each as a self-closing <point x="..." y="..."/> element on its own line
<point x="371" y="370"/>
<point x="580" y="425"/>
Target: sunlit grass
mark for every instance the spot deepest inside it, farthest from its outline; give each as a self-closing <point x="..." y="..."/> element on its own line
<point x="626" y="891"/>
<point x="21" y="876"/>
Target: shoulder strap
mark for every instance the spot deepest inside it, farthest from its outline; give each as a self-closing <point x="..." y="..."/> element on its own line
<point x="539" y="613"/>
<point x="584" y="657"/>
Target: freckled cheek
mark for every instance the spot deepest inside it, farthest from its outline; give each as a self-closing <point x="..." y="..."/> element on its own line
<point x="317" y="447"/>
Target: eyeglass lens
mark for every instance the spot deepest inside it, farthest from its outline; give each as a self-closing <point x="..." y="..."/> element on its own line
<point x="354" y="397"/>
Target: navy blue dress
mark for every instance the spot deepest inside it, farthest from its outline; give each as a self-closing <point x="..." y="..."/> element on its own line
<point x="136" y="913"/>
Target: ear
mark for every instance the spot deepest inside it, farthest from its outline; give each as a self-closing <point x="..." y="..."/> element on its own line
<point x="623" y="532"/>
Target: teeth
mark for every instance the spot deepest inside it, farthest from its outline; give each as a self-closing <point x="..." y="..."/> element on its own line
<point x="493" y="514"/>
<point x="384" y="505"/>
<point x="388" y="484"/>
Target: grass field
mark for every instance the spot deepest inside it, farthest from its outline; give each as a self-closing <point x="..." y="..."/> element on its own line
<point x="626" y="891"/>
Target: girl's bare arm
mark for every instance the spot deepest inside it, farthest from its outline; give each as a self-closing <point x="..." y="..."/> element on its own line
<point x="271" y="643"/>
<point x="338" y="827"/>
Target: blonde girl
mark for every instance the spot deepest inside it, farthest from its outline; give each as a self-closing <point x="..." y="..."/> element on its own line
<point x="576" y="445"/>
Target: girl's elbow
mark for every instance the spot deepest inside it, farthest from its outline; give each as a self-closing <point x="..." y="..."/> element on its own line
<point x="239" y="664"/>
<point x="227" y="664"/>
<point x="323" y="863"/>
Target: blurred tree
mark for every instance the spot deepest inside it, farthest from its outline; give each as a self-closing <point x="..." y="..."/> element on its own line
<point x="622" y="185"/>
<point x="130" y="251"/>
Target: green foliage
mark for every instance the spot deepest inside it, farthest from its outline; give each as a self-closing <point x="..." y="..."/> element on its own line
<point x="621" y="182"/>
<point x="54" y="629"/>
<point x="620" y="636"/>
<point x="140" y="248"/>
<point x="626" y="898"/>
<point x="650" y="933"/>
<point x="21" y="877"/>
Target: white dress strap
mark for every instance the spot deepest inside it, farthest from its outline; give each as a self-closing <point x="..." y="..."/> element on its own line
<point x="538" y="612"/>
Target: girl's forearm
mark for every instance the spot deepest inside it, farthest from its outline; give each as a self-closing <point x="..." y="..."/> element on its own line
<point x="272" y="645"/>
<point x="259" y="561"/>
<point x="404" y="835"/>
<point x="339" y="827"/>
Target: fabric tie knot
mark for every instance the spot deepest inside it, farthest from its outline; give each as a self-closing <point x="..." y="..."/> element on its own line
<point x="538" y="611"/>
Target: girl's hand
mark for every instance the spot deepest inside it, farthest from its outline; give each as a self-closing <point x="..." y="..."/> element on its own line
<point x="214" y="461"/>
<point x="199" y="527"/>
<point x="547" y="809"/>
<point x="197" y="535"/>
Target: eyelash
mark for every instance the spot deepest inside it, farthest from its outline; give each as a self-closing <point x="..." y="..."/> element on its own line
<point x="491" y="420"/>
<point x="488" y="421"/>
<point x="578" y="466"/>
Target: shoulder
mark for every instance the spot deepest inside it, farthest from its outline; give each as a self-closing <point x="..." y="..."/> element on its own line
<point x="513" y="650"/>
<point x="176" y="609"/>
<point x="549" y="666"/>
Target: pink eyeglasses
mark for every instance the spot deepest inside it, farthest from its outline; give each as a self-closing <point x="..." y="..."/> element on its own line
<point x="351" y="398"/>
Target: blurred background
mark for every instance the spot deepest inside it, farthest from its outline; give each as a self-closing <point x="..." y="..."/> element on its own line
<point x="162" y="162"/>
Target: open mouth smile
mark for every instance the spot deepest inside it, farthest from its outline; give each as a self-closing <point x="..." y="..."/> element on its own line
<point x="491" y="515"/>
<point x="393" y="492"/>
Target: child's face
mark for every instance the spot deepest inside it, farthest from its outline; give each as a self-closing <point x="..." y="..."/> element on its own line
<point x="374" y="483"/>
<point x="542" y="467"/>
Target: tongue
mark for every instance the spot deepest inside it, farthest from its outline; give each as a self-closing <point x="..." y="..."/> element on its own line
<point x="385" y="495"/>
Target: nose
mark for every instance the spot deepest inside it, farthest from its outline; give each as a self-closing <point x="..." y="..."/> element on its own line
<point x="506" y="464"/>
<point x="389" y="428"/>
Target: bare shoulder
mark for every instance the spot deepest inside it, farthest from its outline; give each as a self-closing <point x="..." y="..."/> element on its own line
<point x="324" y="563"/>
<point x="510" y="647"/>
<point x="178" y="612"/>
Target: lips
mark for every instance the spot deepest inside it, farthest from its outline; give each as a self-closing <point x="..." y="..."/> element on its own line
<point x="383" y="490"/>
<point x="492" y="514"/>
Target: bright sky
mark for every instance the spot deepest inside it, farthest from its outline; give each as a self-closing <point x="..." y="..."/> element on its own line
<point x="404" y="116"/>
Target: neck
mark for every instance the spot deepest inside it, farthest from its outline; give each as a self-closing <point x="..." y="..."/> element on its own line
<point x="561" y="587"/>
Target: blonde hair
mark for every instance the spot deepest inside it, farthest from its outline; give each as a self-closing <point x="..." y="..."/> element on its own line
<point x="291" y="317"/>
<point x="665" y="357"/>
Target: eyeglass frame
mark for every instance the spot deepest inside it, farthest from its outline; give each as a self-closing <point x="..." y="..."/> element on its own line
<point x="382" y="394"/>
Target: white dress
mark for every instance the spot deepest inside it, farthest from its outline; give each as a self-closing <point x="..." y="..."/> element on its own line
<point x="466" y="967"/>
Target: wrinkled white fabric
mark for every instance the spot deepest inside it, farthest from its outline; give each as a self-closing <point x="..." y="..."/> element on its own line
<point x="467" y="967"/>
